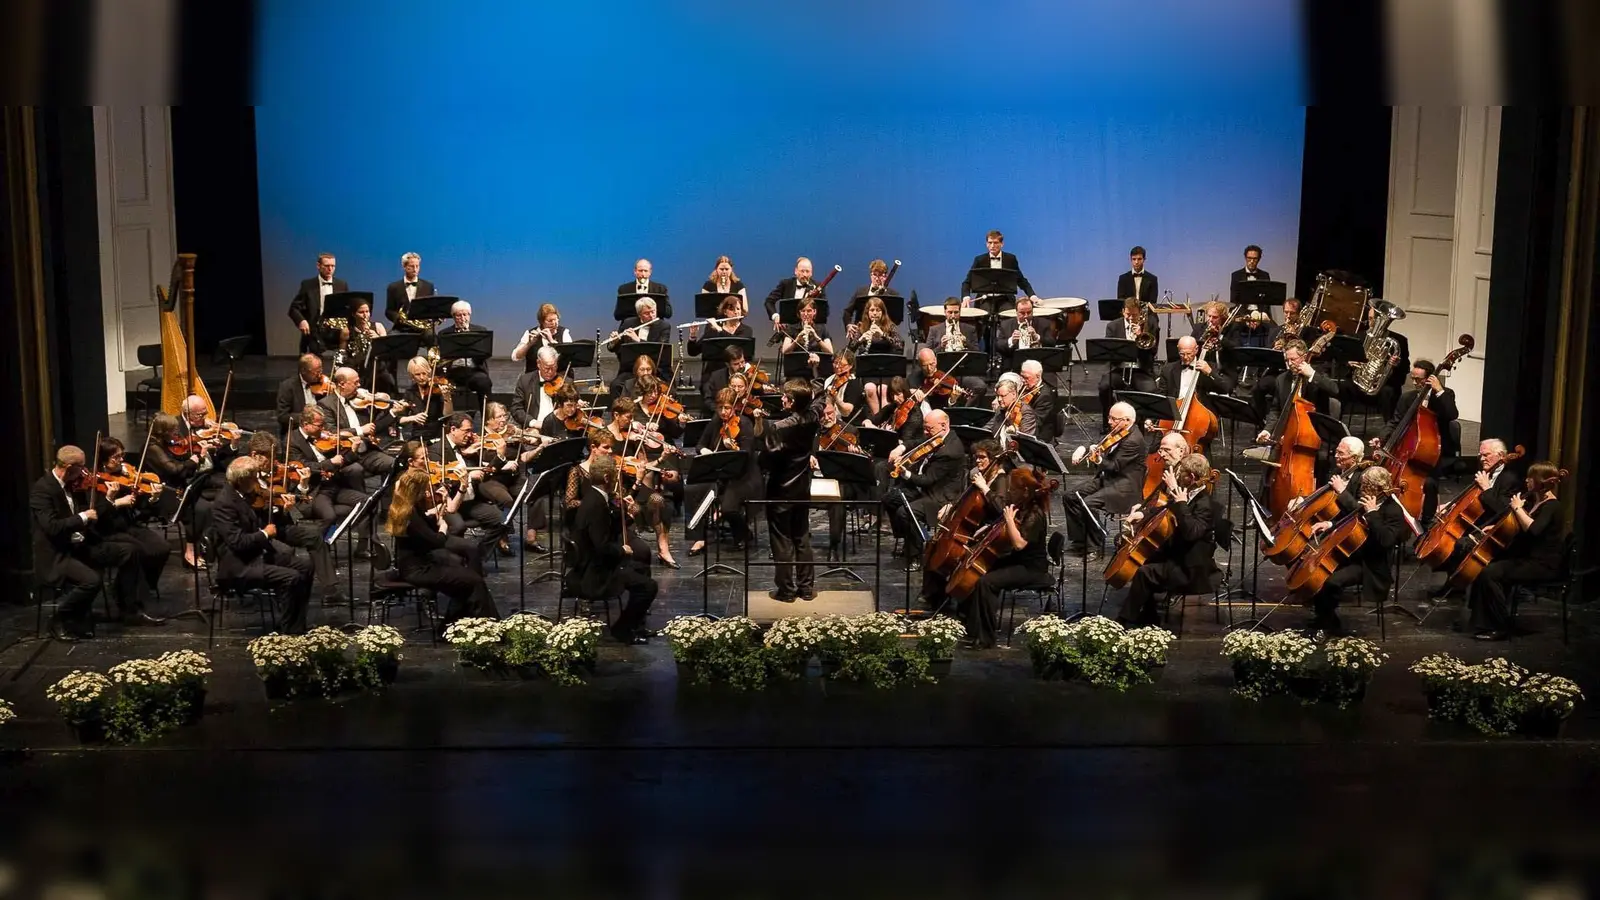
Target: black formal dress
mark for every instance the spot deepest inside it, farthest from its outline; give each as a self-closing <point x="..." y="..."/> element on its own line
<point x="1185" y="563"/>
<point x="69" y="551"/>
<point x="1028" y="567"/>
<point x="1114" y="487"/>
<point x="1369" y="567"/>
<point x="1534" y="557"/>
<point x="602" y="572"/>
<point x="786" y="458"/>
<point x="431" y="559"/>
<point x="251" y="559"/>
<point x="307" y="307"/>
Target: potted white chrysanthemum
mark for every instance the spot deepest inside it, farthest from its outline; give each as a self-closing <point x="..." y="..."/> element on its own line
<point x="1545" y="703"/>
<point x="1347" y="667"/>
<point x="477" y="642"/>
<point x="378" y="655"/>
<point x="81" y="696"/>
<point x="144" y="702"/>
<point x="937" y="638"/>
<point x="718" y="651"/>
<point x="8" y="712"/>
<point x="283" y="663"/>
<point x="1441" y="676"/>
<point x="570" y="646"/>
<point x="1049" y="641"/>
<point x="791" y="643"/>
<point x="189" y="668"/>
<point x="1263" y="664"/>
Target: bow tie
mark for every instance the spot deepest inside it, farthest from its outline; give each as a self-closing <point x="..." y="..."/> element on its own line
<point x="994" y="256"/>
<point x="327" y="284"/>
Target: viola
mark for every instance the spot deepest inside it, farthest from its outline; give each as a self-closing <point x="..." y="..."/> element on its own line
<point x="183" y="445"/>
<point x="1415" y="444"/>
<point x="1099" y="451"/>
<point x="920" y="452"/>
<point x="377" y="401"/>
<point x="729" y="433"/>
<point x="320" y="388"/>
<point x="223" y="431"/>
<point x="940" y="384"/>
<point x="142" y="483"/>
<point x="1455" y="521"/>
<point x="553" y="385"/>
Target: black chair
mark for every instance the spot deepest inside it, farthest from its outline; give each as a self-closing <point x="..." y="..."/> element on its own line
<point x="266" y="599"/>
<point x="1049" y="596"/>
<point x="1559" y="588"/>
<point x="569" y="588"/>
<point x="149" y="356"/>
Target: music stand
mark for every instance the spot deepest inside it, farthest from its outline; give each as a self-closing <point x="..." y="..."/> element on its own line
<point x="474" y="345"/>
<point x="984" y="282"/>
<point x="789" y="310"/>
<point x="881" y="365"/>
<point x="1342" y="350"/>
<point x="1149" y="408"/>
<point x="572" y="354"/>
<point x="1114" y="352"/>
<point x="880" y="442"/>
<point x="1039" y="454"/>
<point x="625" y="305"/>
<point x="975" y="365"/>
<point x="1258" y="517"/>
<point x="557" y="457"/>
<point x="1093" y="536"/>
<point x="711" y="468"/>
<point x="395" y="347"/>
<point x="971" y="434"/>
<point x="708" y="305"/>
<point x="715" y="349"/>
<point x="187" y="507"/>
<point x="846" y="468"/>
<point x="1258" y="293"/>
<point x="435" y="307"/>
<point x="1110" y="310"/>
<point x="798" y="365"/>
<point x="345" y="528"/>
<point x="973" y="416"/>
<point x="339" y="304"/>
<point x="1234" y="411"/>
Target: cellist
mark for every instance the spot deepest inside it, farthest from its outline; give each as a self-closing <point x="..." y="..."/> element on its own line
<point x="990" y="478"/>
<point x="1442" y="401"/>
<point x="1186" y="561"/>
<point x="1533" y="556"/>
<point x="1386" y="527"/>
<point x="1496" y="484"/>
<point x="1023" y="564"/>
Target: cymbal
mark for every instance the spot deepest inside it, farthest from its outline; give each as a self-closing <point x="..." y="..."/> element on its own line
<point x="1043" y="312"/>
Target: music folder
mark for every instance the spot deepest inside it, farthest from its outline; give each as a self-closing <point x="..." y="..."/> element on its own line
<point x="1258" y="293"/>
<point x="625" y="305"/>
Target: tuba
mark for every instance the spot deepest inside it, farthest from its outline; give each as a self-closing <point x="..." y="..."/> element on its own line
<point x="1380" y="348"/>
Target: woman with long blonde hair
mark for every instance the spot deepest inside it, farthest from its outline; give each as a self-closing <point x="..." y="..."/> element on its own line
<point x="723" y="280"/>
<point x="428" y="557"/>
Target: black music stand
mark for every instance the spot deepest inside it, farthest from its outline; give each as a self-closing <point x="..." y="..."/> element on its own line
<point x="1264" y="359"/>
<point x="708" y="305"/>
<point x="789" y="310"/>
<point x="975" y="365"/>
<point x="881" y="365"/>
<point x="572" y="354"/>
<point x="541" y="471"/>
<point x="435" y="307"/>
<point x="339" y="304"/>
<point x="1114" y="352"/>
<point x="404" y="345"/>
<point x="1093" y="536"/>
<point x="715" y="349"/>
<point x="1149" y="408"/>
<point x="846" y="468"/>
<point x="187" y="518"/>
<point x="1110" y="310"/>
<point x="880" y="442"/>
<point x="1343" y="349"/>
<point x="971" y="416"/>
<point x="346" y="527"/>
<point x="712" y="468"/>
<point x="985" y="282"/>
<point x="798" y="365"/>
<point x="1039" y="454"/>
<point x="1258" y="293"/>
<point x="625" y="305"/>
<point x="629" y="353"/>
<point x="1259" y="519"/>
<point x="971" y="434"/>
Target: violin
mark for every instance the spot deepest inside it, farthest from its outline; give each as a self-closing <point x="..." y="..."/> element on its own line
<point x="220" y="431"/>
<point x="380" y="400"/>
<point x="553" y="385"/>
<point x="942" y="384"/>
<point x="183" y="445"/>
<point x="281" y="502"/>
<point x="330" y="442"/>
<point x="1099" y="451"/>
<point x="834" y="437"/>
<point x="665" y="407"/>
<point x="919" y="453"/>
<point x="142" y="483"/>
<point x="320" y="388"/>
<point x="729" y="433"/>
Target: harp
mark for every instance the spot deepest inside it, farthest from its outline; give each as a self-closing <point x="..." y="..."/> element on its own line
<point x="179" y="378"/>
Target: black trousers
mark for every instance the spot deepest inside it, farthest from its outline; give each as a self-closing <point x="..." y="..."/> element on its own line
<point x="912" y="517"/>
<point x="1489" y="597"/>
<point x="1324" y="604"/>
<point x="1155" y="577"/>
<point x="455" y="570"/>
<point x="641" y="591"/>
<point x="789" y="527"/>
<point x="307" y="536"/>
<point x="980" y="612"/>
<point x="78" y="579"/>
<point x="1099" y="500"/>
<point x="732" y="499"/>
<point x="1120" y="379"/>
<point x="377" y="463"/>
<point x="281" y="571"/>
<point x="150" y="552"/>
<point x="1263" y="395"/>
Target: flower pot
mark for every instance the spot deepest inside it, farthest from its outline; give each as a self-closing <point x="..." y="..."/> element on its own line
<point x="388" y="669"/>
<point x="193" y="700"/>
<point x="1543" y="724"/>
<point x="278" y="687"/>
<point x="89" y="731"/>
<point x="940" y="668"/>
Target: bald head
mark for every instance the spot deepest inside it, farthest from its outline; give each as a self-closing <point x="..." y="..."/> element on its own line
<point x="1121" y="415"/>
<point x="936" y="422"/>
<point x="1174" y="446"/>
<point x="927" y="357"/>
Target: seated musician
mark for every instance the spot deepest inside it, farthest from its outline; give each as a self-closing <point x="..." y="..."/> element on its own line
<point x="810" y="336"/>
<point x="1124" y="377"/>
<point x="355" y="345"/>
<point x="1220" y="371"/>
<point x="337" y="480"/>
<point x="990" y="476"/>
<point x="471" y="374"/>
<point x="931" y="393"/>
<point x="306" y="533"/>
<point x="844" y="387"/>
<point x="578" y="476"/>
<point x="627" y="383"/>
<point x="567" y="419"/>
<point x="1010" y="411"/>
<point x="458" y="450"/>
<point x="170" y="457"/>
<point x="1252" y="328"/>
<point x="955" y="336"/>
<point x="1533" y="557"/>
<point x="877" y="286"/>
<point x="732" y="325"/>
<point x="1041" y="397"/>
<point x="69" y="550"/>
<point x="122" y="515"/>
<point x="503" y="467"/>
<point x="1315" y="386"/>
<point x="644" y="326"/>
<point x="643" y="284"/>
<point x="737" y="365"/>
<point x="1442" y="401"/>
<point x="1117" y="481"/>
<point x="1370" y="566"/>
<point x="797" y="288"/>
<point x="307" y="386"/>
<point x="534" y="398"/>
<point x="604" y="567"/>
<point x="734" y="432"/>
<point x="723" y="280"/>
<point x="655" y="405"/>
<point x="836" y="436"/>
<point x="429" y="557"/>
<point x="193" y="422"/>
<point x="628" y="447"/>
<point x="1024" y="562"/>
<point x="342" y="414"/>
<point x="427" y="402"/>
<point x="547" y="333"/>
<point x="1497" y="482"/>
<point x="930" y="476"/>
<point x="876" y="333"/>
<point x="1388" y="395"/>
<point x="1024" y="332"/>
<point x="900" y="394"/>
<point x="1191" y="376"/>
<point x="251" y="554"/>
<point x="1185" y="562"/>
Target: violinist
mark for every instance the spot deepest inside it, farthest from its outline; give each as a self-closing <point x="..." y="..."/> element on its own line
<point x="877" y="286"/>
<point x="643" y="284"/>
<point x="665" y="411"/>
<point x="1442" y="400"/>
<point x="466" y="374"/>
<point x="604" y="553"/>
<point x="504" y="457"/>
<point x="548" y="333"/>
<point x="348" y="408"/>
<point x="1186" y="562"/>
<point x="1369" y="566"/>
<point x="534" y="398"/>
<point x="929" y="476"/>
<point x="1125" y="377"/>
<point x="843" y="385"/>
<point x="304" y="534"/>
<point x="730" y="432"/>
<point x="337" y="480"/>
<point x="936" y="391"/>
<point x="1118" y="479"/>
<point x="458" y="451"/>
<point x="627" y="383"/>
<point x="429" y="557"/>
<point x="786" y="458"/>
<point x="731" y="311"/>
<point x="119" y="521"/>
<point x="1009" y="411"/>
<point x="427" y="401"/>
<point x="953" y="336"/>
<point x="628" y="447"/>
<point x="251" y="554"/>
<point x="837" y="436"/>
<point x="900" y="397"/>
<point x="1317" y="387"/>
<point x="810" y="336"/>
<point x="305" y="388"/>
<point x="1533" y="557"/>
<point x="797" y="288"/>
<point x="723" y="280"/>
<point x="171" y="457"/>
<point x="644" y="325"/>
<point x="568" y="419"/>
<point x="212" y="451"/>
<point x="70" y="551"/>
<point x="1039" y="395"/>
<point x="737" y="366"/>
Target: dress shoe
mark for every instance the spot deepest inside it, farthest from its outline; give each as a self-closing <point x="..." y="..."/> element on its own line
<point x="504" y="549"/>
<point x="65" y="631"/>
<point x="1490" y="636"/>
<point x="913" y="566"/>
<point x="669" y="563"/>
<point x="140" y="617"/>
<point x="535" y="547"/>
<point x="807" y="594"/>
<point x="697" y="551"/>
<point x="781" y="596"/>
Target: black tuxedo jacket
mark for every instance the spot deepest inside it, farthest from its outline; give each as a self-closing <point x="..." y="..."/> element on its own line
<point x="395" y="300"/>
<point x="785" y="291"/>
<point x="1241" y="275"/>
<point x="290" y="402"/>
<point x="787" y="445"/>
<point x="1122" y="470"/>
<point x="337" y="419"/>
<point x="1497" y="499"/>
<point x="1194" y="538"/>
<point x="1386" y="527"/>
<point x="305" y="308"/>
<point x="597" y="528"/>
<point x="239" y="538"/>
<point x="1118" y="328"/>
<point x="1172" y="381"/>
<point x="1149" y="286"/>
<point x="658" y="331"/>
<point x="940" y="476"/>
<point x="54" y="524"/>
<point x="657" y="290"/>
<point x="1318" y="389"/>
<point x="1043" y="402"/>
<point x="1007" y="261"/>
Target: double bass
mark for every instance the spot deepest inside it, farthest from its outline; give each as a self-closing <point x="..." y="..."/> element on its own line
<point x="1455" y="521"/>
<point x="1292" y="463"/>
<point x="1414" y="446"/>
<point x="1198" y="425"/>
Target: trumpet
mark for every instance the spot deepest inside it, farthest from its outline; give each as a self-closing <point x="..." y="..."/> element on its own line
<point x="1025" y="337"/>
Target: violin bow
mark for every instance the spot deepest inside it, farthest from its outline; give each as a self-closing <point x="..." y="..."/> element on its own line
<point x="148" y="433"/>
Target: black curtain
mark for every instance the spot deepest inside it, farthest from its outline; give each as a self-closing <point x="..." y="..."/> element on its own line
<point x="219" y="220"/>
<point x="1344" y="195"/>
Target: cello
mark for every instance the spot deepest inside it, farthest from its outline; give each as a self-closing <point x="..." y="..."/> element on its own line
<point x="960" y="525"/>
<point x="1340" y="545"/>
<point x="1413" y="448"/>
<point x="1295" y="442"/>
<point x="1453" y="523"/>
<point x="988" y="545"/>
<point x="1293" y="534"/>
<point x="1485" y="543"/>
<point x="1143" y="544"/>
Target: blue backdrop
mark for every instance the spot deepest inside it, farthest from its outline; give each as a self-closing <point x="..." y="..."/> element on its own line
<point x="530" y="154"/>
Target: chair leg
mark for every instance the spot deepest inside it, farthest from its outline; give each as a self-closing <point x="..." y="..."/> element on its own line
<point x="1565" y="589"/>
<point x="1006" y="594"/>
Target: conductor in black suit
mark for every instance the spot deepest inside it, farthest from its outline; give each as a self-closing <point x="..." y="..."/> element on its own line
<point x="68" y="552"/>
<point x="603" y="556"/>
<point x="306" y="308"/>
<point x="786" y="458"/>
<point x="399" y="294"/>
<point x="471" y="374"/>
<point x="1251" y="270"/>
<point x="1137" y="282"/>
<point x="996" y="258"/>
<point x="641" y="284"/>
<point x="795" y="288"/>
